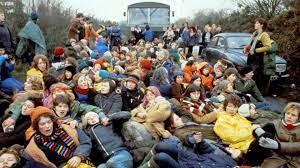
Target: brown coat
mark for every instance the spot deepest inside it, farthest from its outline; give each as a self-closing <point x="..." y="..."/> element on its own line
<point x="289" y="147"/>
<point x="74" y="27"/>
<point x="157" y="113"/>
<point x="177" y="91"/>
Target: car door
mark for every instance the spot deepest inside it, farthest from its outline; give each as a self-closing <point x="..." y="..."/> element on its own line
<point x="219" y="50"/>
<point x="209" y="51"/>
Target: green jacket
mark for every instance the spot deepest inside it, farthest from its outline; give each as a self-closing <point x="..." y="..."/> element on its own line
<point x="249" y="87"/>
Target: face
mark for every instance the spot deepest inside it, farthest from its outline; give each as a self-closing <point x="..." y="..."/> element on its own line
<point x="97" y="67"/>
<point x="27" y="106"/>
<point x="2" y="17"/>
<point x="229" y="88"/>
<point x="291" y="116"/>
<point x="68" y="74"/>
<point x="84" y="82"/>
<point x="130" y="85"/>
<point x="85" y="70"/>
<point x="257" y="25"/>
<point x="179" y="79"/>
<point x="197" y="82"/>
<point x="218" y="73"/>
<point x="92" y="120"/>
<point x="160" y="56"/>
<point x="61" y="110"/>
<point x="150" y="96"/>
<point x="104" y="88"/>
<point x="7" y="160"/>
<point x="45" y="126"/>
<point x="195" y="95"/>
<point x="231" y="109"/>
<point x="2" y="51"/>
<point x="231" y="78"/>
<point x="42" y="65"/>
<point x="205" y="71"/>
<point x="249" y="75"/>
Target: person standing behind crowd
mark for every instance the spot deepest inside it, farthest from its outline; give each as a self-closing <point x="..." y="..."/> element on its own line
<point x="89" y="30"/>
<point x="207" y="35"/>
<point x="75" y="27"/>
<point x="147" y="33"/>
<point x="261" y="43"/>
<point x="192" y="40"/>
<point x="5" y="34"/>
<point x="114" y="32"/>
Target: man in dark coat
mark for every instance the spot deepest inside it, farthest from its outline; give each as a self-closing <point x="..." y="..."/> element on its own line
<point x="5" y="35"/>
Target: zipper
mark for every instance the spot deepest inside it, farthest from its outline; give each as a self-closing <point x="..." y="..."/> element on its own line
<point x="99" y="141"/>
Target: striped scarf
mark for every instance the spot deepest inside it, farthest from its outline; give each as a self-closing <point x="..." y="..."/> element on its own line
<point x="59" y="142"/>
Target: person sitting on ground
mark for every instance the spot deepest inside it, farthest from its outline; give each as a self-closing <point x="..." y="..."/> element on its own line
<point x="9" y="158"/>
<point x="205" y="72"/>
<point x="177" y="88"/>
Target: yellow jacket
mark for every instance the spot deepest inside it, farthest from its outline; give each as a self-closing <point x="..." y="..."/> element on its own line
<point x="236" y="131"/>
<point x="266" y="42"/>
<point x="34" y="72"/>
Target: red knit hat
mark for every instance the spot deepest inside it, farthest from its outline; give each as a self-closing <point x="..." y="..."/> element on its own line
<point x="58" y="51"/>
<point x="146" y="64"/>
<point x="154" y="90"/>
<point x="38" y="111"/>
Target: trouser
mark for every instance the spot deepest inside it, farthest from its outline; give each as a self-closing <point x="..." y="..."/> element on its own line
<point x="166" y="155"/>
<point x="120" y="159"/>
<point x="9" y="84"/>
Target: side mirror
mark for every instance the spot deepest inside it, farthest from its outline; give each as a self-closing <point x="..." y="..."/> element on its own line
<point x="124" y="13"/>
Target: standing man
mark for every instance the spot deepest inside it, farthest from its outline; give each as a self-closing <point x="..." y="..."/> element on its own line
<point x="76" y="28"/>
<point x="5" y="35"/>
<point x="114" y="32"/>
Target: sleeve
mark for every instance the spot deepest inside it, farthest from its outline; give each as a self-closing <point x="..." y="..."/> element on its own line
<point x="117" y="104"/>
<point x="242" y="87"/>
<point x="266" y="41"/>
<point x="257" y="95"/>
<point x="231" y="132"/>
<point x="290" y="147"/>
<point x="85" y="147"/>
<point x="175" y="91"/>
<point x="160" y="114"/>
<point x="85" y="108"/>
<point x="94" y="32"/>
<point x="203" y="147"/>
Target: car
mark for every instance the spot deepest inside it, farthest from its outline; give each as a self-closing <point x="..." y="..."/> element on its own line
<point x="229" y="47"/>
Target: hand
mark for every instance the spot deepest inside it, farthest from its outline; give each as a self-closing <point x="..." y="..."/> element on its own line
<point x="254" y="126"/>
<point x="251" y="52"/>
<point x="198" y="137"/>
<point x="8" y="122"/>
<point x="73" y="124"/>
<point x="104" y="121"/>
<point x="141" y="115"/>
<point x="74" y="162"/>
<point x="268" y="143"/>
<point x="13" y="61"/>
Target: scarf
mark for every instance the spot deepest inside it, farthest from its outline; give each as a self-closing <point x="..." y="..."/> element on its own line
<point x="59" y="142"/>
<point x="255" y="36"/>
<point x="81" y="91"/>
<point x="290" y="126"/>
<point x="196" y="107"/>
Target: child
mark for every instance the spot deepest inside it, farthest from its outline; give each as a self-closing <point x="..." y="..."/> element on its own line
<point x="205" y="72"/>
<point x="67" y="77"/>
<point x="285" y="145"/>
<point x="233" y="129"/>
<point x="107" y="139"/>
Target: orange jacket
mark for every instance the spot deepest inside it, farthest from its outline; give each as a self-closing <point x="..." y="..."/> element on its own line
<point x="187" y="73"/>
<point x="207" y="80"/>
<point x="88" y="31"/>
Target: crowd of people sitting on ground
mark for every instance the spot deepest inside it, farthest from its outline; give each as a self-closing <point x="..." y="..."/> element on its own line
<point x="141" y="105"/>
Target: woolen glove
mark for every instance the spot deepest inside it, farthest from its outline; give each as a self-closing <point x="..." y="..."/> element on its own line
<point x="268" y="143"/>
<point x="259" y="131"/>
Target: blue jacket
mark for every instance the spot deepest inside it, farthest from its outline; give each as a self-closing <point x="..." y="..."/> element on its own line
<point x="164" y="88"/>
<point x="148" y="35"/>
<point x="185" y="37"/>
<point x="101" y="47"/>
<point x="5" y="69"/>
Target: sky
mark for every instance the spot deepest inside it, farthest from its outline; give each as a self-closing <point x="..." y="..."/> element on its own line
<point x="113" y="9"/>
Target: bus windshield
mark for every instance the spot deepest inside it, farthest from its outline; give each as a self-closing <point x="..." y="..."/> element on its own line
<point x="153" y="16"/>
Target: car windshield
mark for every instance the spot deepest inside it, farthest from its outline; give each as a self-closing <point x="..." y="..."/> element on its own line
<point x="238" y="41"/>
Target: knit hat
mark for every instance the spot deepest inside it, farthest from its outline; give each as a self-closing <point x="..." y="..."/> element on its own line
<point x="34" y="16"/>
<point x="223" y="84"/>
<point x="146" y="64"/>
<point x="179" y="50"/>
<point x="38" y="111"/>
<point x="154" y="90"/>
<point x="84" y="54"/>
<point x="175" y="56"/>
<point x="90" y="114"/>
<point x="103" y="74"/>
<point x="134" y="78"/>
<point x="58" y="51"/>
<point x="245" y="110"/>
<point x="124" y="49"/>
<point x="71" y="69"/>
<point x="81" y="65"/>
<point x="107" y="56"/>
<point x="245" y="70"/>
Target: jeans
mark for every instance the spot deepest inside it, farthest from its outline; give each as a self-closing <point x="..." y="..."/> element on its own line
<point x="9" y="84"/>
<point x="120" y="159"/>
<point x="167" y="155"/>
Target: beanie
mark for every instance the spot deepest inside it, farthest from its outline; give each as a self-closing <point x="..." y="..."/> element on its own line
<point x="103" y="74"/>
<point x="154" y="90"/>
<point x="71" y="69"/>
<point x="146" y="64"/>
<point x="134" y="78"/>
<point x="58" y="51"/>
<point x="244" y="110"/>
<point x="81" y="65"/>
<point x="245" y="70"/>
<point x="38" y="111"/>
<point x="178" y="73"/>
<point x="34" y="16"/>
<point x="107" y="56"/>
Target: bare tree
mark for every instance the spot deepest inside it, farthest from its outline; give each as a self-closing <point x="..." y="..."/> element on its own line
<point x="264" y="8"/>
